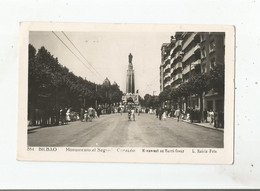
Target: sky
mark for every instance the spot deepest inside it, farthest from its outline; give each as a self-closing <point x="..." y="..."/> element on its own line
<point x="106" y="55"/>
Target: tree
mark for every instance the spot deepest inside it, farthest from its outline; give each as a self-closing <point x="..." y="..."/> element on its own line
<point x="51" y="85"/>
<point x="217" y="79"/>
<point x="31" y="85"/>
<point x="200" y="84"/>
<point x="164" y="95"/>
<point x="184" y="91"/>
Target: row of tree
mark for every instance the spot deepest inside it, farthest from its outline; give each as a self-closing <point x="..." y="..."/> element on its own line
<point x="150" y="101"/>
<point x="198" y="84"/>
<point x="53" y="86"/>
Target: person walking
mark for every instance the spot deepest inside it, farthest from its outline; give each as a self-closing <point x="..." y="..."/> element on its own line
<point x="211" y="114"/>
<point x="91" y="113"/>
<point x="99" y="111"/>
<point x="133" y="113"/>
<point x="160" y="112"/>
<point x="191" y="115"/>
<point x="177" y="114"/>
<point x="164" y="116"/>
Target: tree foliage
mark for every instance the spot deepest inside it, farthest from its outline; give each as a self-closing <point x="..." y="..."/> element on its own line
<point x="51" y="85"/>
<point x="150" y="101"/>
<point x="198" y="84"/>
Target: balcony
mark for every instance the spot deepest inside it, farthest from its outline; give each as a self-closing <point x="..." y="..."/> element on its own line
<point x="168" y="66"/>
<point x="177" y="55"/>
<point x="197" y="47"/>
<point x="189" y="68"/>
<point x="195" y="63"/>
<point x="167" y="84"/>
<point x="178" y="43"/>
<point x="171" y="81"/>
<point x="171" y="51"/>
<point x="189" y="40"/>
<point x="178" y="76"/>
<point x="180" y="53"/>
<point x="172" y="59"/>
<point x="211" y="50"/>
<point x="168" y="75"/>
<point x="167" y="58"/>
<point x="186" y="70"/>
<point x="191" y="52"/>
<point x="178" y="65"/>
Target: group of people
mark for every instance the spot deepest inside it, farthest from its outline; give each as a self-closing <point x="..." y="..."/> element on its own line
<point x="215" y="118"/>
<point x="131" y="112"/>
<point x="162" y="114"/>
<point x="89" y="114"/>
<point x="46" y="117"/>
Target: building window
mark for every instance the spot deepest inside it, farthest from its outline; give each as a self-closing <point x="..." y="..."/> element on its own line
<point x="203" y="37"/>
<point x="212" y="63"/>
<point x="203" y="52"/>
<point x="204" y="68"/>
<point x="212" y="45"/>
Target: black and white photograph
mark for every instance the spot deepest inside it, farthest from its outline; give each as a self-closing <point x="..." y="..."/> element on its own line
<point x="159" y="91"/>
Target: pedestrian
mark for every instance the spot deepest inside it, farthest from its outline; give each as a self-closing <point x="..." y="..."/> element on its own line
<point x="98" y="111"/>
<point x="160" y="112"/>
<point x="129" y="114"/>
<point x="91" y="113"/>
<point x="191" y="115"/>
<point x="85" y="116"/>
<point x="177" y="114"/>
<point x="68" y="115"/>
<point x="211" y="114"/>
<point x="133" y="113"/>
<point x="164" y="116"/>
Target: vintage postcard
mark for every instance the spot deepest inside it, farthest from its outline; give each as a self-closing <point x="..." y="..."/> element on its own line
<point x="144" y="93"/>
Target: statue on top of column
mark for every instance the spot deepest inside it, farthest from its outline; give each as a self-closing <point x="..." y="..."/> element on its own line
<point x="130" y="57"/>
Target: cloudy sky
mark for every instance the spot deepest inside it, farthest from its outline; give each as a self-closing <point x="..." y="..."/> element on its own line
<point x="107" y="53"/>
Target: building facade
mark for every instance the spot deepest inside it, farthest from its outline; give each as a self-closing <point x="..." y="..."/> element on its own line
<point x="190" y="53"/>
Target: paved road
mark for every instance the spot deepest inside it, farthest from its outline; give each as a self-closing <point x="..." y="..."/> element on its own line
<point x="116" y="131"/>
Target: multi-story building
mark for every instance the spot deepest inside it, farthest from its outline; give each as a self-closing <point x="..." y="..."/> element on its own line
<point x="164" y="67"/>
<point x="190" y="53"/>
<point x="212" y="54"/>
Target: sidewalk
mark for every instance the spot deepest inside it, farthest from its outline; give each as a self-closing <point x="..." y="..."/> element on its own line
<point x="205" y="125"/>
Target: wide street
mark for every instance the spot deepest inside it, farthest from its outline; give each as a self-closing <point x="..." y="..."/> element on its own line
<point x="116" y="131"/>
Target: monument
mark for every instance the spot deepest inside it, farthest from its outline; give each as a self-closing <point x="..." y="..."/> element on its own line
<point x="130" y="96"/>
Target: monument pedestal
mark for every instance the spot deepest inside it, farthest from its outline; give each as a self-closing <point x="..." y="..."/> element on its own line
<point x="130" y="98"/>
